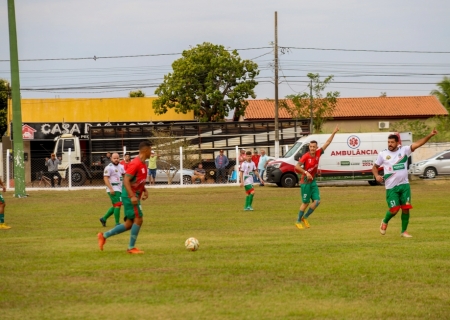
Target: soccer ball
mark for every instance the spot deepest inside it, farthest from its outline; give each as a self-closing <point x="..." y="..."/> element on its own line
<point x="191" y="244"/>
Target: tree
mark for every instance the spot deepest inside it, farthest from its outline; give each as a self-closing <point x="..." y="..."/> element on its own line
<point x="167" y="147"/>
<point x="322" y="106"/>
<point x="5" y="93"/>
<point x="417" y="127"/>
<point x="209" y="80"/>
<point x="443" y="94"/>
<point x="136" y="94"/>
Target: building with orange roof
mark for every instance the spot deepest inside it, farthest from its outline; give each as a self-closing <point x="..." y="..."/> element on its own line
<point x="361" y="114"/>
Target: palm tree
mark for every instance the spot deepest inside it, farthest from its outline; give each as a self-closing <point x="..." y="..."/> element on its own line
<point x="444" y="93"/>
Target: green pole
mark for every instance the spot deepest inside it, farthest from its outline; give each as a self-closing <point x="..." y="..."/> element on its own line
<point x="19" y="169"/>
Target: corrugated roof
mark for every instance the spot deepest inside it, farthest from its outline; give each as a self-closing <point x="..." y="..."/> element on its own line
<point x="373" y="107"/>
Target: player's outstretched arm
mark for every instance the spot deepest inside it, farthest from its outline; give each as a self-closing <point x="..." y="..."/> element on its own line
<point x="424" y="140"/>
<point x="327" y="143"/>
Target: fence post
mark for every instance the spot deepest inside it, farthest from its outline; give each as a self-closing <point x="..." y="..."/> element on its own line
<point x="8" y="154"/>
<point x="70" y="170"/>
<point x="181" y="166"/>
<point x="124" y="151"/>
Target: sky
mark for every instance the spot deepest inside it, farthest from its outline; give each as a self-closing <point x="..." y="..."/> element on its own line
<point x="136" y="41"/>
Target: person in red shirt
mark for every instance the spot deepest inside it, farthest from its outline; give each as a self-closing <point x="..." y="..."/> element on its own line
<point x="255" y="159"/>
<point x="132" y="191"/>
<point x="126" y="161"/>
<point x="307" y="166"/>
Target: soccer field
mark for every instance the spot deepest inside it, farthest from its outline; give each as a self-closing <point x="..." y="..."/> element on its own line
<point x="250" y="265"/>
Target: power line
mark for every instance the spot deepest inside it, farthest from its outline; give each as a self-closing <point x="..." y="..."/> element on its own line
<point x="367" y="50"/>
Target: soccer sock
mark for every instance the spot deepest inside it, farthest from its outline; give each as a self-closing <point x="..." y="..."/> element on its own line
<point x="117" y="214"/>
<point x="308" y="213"/>
<point x="300" y="215"/>
<point x="388" y="217"/>
<point x="250" y="201"/>
<point x="116" y="230"/>
<point x="247" y="200"/>
<point x="133" y="236"/>
<point x="108" y="213"/>
<point x="405" y="221"/>
<point x="2" y="218"/>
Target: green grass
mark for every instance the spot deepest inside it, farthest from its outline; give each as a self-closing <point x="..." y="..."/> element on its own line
<point x="250" y="265"/>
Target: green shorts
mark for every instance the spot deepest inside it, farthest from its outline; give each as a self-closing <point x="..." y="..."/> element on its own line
<point x="248" y="188"/>
<point x="116" y="199"/>
<point x="399" y="197"/>
<point x="131" y="211"/>
<point x="309" y="191"/>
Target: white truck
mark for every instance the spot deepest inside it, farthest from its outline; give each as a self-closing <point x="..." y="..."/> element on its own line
<point x="349" y="157"/>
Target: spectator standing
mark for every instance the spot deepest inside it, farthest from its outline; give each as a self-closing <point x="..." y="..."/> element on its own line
<point x="126" y="161"/>
<point x="262" y="164"/>
<point x="52" y="166"/>
<point x="221" y="163"/>
<point x="152" y="166"/>
<point x="3" y="225"/>
<point x="255" y="160"/>
<point x="106" y="160"/>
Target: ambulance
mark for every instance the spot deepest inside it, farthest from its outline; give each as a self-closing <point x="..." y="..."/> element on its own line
<point x="350" y="156"/>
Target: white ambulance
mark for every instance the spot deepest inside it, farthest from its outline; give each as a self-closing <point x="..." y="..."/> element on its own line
<point x="349" y="157"/>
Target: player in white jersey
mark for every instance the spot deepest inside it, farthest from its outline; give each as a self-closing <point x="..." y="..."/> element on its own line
<point x="113" y="177"/>
<point x="246" y="171"/>
<point x="394" y="160"/>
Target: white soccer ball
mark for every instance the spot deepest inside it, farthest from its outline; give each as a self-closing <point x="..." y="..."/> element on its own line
<point x="191" y="244"/>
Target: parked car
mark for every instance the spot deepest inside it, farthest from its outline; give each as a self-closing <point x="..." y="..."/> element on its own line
<point x="439" y="164"/>
<point x="161" y="173"/>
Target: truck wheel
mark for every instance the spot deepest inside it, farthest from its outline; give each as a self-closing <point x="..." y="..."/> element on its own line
<point x="78" y="177"/>
<point x="288" y="180"/>
<point x="187" y="180"/>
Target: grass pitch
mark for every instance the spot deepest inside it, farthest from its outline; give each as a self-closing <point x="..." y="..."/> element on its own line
<point x="250" y="265"/>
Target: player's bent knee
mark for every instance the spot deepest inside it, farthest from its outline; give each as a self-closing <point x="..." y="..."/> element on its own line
<point x="394" y="210"/>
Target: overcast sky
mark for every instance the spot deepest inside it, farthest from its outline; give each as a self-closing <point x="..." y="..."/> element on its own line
<point x="61" y="29"/>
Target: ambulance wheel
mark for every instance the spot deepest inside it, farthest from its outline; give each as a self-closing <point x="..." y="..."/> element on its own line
<point x="288" y="180"/>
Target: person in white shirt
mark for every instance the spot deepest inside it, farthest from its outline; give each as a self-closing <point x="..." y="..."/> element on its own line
<point x="113" y="178"/>
<point x="394" y="160"/>
<point x="247" y="171"/>
<point x="262" y="164"/>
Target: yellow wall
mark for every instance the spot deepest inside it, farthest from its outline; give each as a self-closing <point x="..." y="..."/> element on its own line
<point x="96" y="109"/>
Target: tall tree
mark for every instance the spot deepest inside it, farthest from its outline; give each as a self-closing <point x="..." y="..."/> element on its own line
<point x="209" y="80"/>
<point x="322" y="105"/>
<point x="443" y="93"/>
<point x="136" y="94"/>
<point x="5" y="93"/>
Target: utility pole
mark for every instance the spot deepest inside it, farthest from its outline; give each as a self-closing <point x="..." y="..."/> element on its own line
<point x="277" y="138"/>
<point x="311" y="123"/>
<point x="19" y="170"/>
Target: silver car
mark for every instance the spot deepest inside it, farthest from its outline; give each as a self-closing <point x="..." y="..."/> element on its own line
<point x="164" y="168"/>
<point x="438" y="164"/>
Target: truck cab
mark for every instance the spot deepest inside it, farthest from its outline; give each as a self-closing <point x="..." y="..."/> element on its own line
<point x="73" y="159"/>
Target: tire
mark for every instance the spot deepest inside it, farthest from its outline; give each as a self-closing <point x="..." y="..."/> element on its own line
<point x="78" y="177"/>
<point x="430" y="173"/>
<point x="279" y="184"/>
<point x="187" y="180"/>
<point x="288" y="180"/>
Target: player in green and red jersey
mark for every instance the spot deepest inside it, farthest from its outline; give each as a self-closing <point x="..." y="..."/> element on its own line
<point x="307" y="166"/>
<point x="133" y="190"/>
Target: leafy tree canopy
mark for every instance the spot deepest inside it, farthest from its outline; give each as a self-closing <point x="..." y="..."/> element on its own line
<point x="443" y="93"/>
<point x="136" y="94"/>
<point x="322" y="105"/>
<point x="210" y="81"/>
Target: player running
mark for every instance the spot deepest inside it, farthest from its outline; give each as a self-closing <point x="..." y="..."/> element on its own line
<point x="307" y="167"/>
<point x="394" y="160"/>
